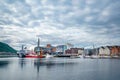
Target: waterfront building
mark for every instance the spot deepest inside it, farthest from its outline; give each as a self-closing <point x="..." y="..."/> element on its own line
<point x="48" y="46"/>
<point x="47" y="49"/>
<point x="78" y="51"/>
<point x="104" y="51"/>
<point x="50" y="49"/>
<point x="53" y="50"/>
<point x="81" y="51"/>
<point x="60" y="49"/>
<point x="89" y="52"/>
<point x="115" y="50"/>
<point x="86" y="52"/>
<point x="110" y="50"/>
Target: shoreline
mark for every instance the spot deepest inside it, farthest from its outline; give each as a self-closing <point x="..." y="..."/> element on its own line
<point x="85" y="57"/>
<point x="7" y="56"/>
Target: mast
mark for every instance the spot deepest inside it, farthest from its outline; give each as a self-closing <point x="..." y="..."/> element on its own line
<point x="38" y="42"/>
<point x="94" y="49"/>
<point x="22" y="47"/>
<point x="93" y="46"/>
<point x="40" y="49"/>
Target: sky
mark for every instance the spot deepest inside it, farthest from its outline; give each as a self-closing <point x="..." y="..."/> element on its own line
<point x="79" y="22"/>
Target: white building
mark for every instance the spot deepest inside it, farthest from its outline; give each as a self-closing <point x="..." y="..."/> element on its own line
<point x="61" y="48"/>
<point x="81" y="52"/>
<point x="104" y="51"/>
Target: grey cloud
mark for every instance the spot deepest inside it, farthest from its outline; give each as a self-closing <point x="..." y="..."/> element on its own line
<point x="8" y="41"/>
<point x="78" y="21"/>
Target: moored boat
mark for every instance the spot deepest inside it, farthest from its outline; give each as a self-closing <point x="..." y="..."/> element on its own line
<point x="34" y="56"/>
<point x="49" y="56"/>
<point x="31" y="54"/>
<point x="95" y="57"/>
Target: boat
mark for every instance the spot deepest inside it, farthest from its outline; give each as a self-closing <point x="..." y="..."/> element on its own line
<point x="87" y="56"/>
<point x="49" y="56"/>
<point x="34" y="56"/>
<point x="67" y="55"/>
<point x="37" y="54"/>
<point x="81" y="56"/>
<point x="104" y="57"/>
<point x="22" y="52"/>
<point x="95" y="57"/>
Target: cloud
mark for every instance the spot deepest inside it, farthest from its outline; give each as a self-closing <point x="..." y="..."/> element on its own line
<point x="80" y="22"/>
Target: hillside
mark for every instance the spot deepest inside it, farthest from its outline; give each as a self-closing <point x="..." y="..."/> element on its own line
<point x="5" y="48"/>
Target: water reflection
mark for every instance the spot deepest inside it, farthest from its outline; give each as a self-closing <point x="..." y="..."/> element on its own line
<point x="4" y="63"/>
<point x="22" y="62"/>
<point x="59" y="69"/>
<point x="49" y="63"/>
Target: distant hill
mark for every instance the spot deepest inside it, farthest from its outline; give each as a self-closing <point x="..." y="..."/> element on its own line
<point x="6" y="49"/>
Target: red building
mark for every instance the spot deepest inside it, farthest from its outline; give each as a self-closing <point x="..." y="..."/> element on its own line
<point x="115" y="50"/>
<point x="73" y="50"/>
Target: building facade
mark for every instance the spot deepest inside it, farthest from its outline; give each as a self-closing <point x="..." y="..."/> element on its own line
<point x="115" y="50"/>
<point x="104" y="51"/>
<point x="60" y="49"/>
<point x="78" y="51"/>
<point x="110" y="50"/>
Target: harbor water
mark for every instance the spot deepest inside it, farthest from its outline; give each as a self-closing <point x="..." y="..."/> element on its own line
<point x="59" y="69"/>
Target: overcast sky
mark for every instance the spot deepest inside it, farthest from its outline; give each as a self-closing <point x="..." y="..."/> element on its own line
<point x="80" y="22"/>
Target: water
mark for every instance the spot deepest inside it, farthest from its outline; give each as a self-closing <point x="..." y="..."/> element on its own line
<point x="59" y="69"/>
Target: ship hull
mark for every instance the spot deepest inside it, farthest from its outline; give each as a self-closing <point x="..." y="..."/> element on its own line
<point x="34" y="56"/>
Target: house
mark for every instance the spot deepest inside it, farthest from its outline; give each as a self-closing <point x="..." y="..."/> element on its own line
<point x="115" y="50"/>
<point x="81" y="51"/>
<point x="104" y="51"/>
<point x="109" y="51"/>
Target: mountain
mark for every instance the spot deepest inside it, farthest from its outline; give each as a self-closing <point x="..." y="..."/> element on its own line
<point x="5" y="48"/>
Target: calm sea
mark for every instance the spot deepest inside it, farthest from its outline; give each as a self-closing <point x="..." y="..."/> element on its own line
<point x="59" y="69"/>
